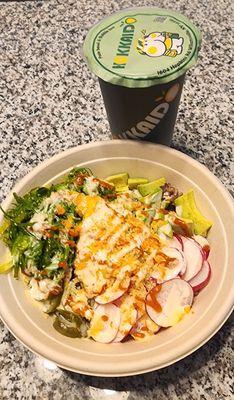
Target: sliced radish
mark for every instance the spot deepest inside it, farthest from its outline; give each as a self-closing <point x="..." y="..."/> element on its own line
<point x="175" y="242"/>
<point x="203" y="242"/>
<point x="202" y="278"/>
<point x="168" y="303"/>
<point x="113" y="292"/>
<point x="128" y="318"/>
<point x="105" y="323"/>
<point x="194" y="258"/>
<point x="173" y="268"/>
<point x="138" y="292"/>
<point x="144" y="328"/>
<point x="118" y="301"/>
<point x="179" y="238"/>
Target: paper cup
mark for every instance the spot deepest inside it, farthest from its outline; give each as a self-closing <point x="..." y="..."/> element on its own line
<point x="142" y="113"/>
<point x="141" y="56"/>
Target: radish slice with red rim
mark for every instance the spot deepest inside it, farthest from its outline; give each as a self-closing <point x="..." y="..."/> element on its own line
<point x="168" y="303"/>
<point x="205" y="245"/>
<point x="113" y="292"/>
<point x="179" y="238"/>
<point x="127" y="319"/>
<point x="202" y="278"/>
<point x="175" y="242"/>
<point x="144" y="328"/>
<point x="176" y="266"/>
<point x="105" y="323"/>
<point x="118" y="301"/>
<point x="194" y="258"/>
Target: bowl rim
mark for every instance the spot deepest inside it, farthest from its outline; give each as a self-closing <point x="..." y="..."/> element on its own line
<point x="229" y="305"/>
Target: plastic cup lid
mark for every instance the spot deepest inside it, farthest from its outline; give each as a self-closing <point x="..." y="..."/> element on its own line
<point x="142" y="47"/>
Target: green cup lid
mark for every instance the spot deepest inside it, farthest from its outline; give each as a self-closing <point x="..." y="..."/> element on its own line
<point x="142" y="47"/>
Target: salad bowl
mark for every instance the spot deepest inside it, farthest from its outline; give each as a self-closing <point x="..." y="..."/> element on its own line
<point x="210" y="309"/>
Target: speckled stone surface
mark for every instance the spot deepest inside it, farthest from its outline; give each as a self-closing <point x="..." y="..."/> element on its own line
<point x="49" y="101"/>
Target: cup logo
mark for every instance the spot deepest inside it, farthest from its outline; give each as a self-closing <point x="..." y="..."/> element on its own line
<point x="121" y="57"/>
<point x="143" y="128"/>
<point x="158" y="44"/>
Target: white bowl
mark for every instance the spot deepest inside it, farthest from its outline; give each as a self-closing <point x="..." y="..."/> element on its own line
<point x="211" y="307"/>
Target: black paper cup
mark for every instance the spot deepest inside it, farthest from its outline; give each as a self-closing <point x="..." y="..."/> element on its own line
<point x="141" y="56"/>
<point x="142" y="113"/>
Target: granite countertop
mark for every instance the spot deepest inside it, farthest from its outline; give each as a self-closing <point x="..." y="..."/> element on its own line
<point x="49" y="101"/>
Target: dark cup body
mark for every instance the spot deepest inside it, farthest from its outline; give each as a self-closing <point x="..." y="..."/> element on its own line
<point x="143" y="113"/>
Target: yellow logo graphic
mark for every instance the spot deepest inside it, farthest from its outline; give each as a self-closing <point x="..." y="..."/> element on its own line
<point x="120" y="59"/>
<point x="157" y="44"/>
<point x="130" y="20"/>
